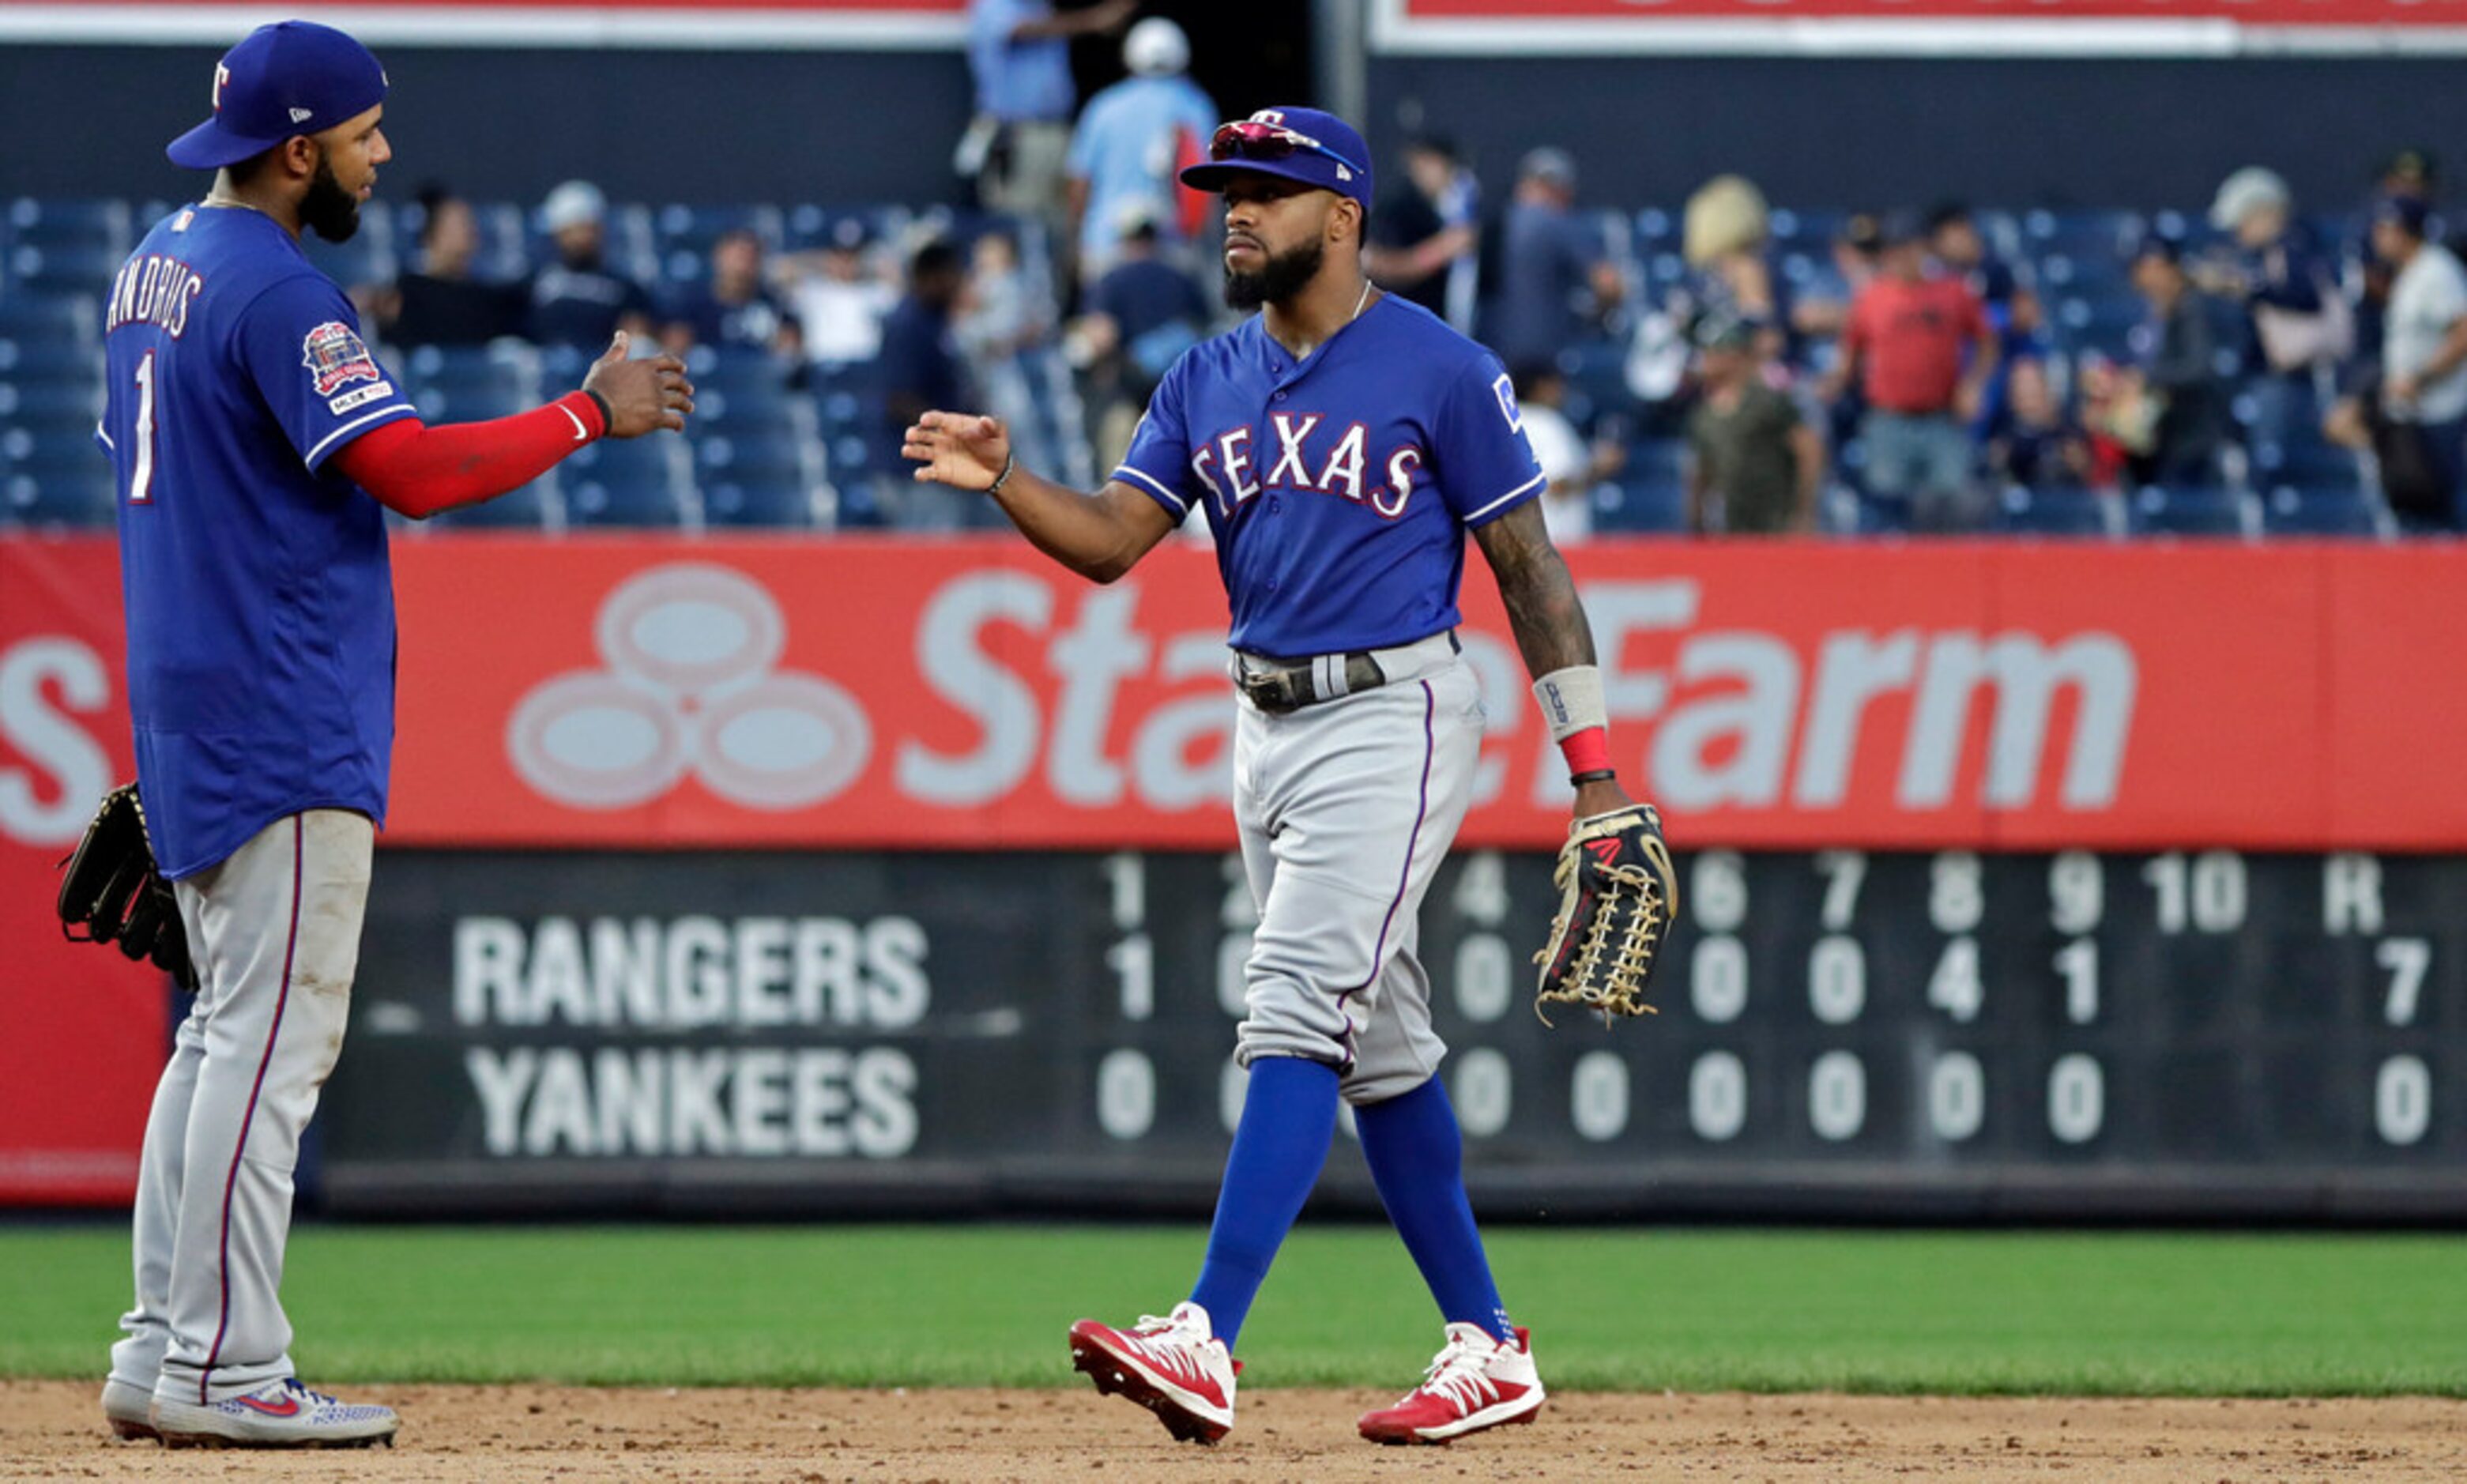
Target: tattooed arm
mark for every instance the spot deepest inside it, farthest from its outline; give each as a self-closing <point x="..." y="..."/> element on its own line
<point x="1545" y="615"/>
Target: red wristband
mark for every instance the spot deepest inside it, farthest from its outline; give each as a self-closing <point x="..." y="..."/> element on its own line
<point x="1588" y="751"/>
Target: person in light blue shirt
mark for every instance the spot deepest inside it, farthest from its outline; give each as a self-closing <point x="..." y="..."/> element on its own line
<point x="1019" y="51"/>
<point x="1131" y="139"/>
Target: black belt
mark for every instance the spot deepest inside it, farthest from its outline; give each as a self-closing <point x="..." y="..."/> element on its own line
<point x="1280" y="686"/>
<point x="1277" y="689"/>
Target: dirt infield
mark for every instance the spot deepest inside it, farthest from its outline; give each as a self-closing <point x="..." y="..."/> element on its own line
<point x="52" y="1430"/>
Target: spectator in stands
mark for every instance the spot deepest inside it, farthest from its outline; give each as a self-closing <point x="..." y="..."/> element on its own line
<point x="1723" y="241"/>
<point x="578" y="300"/>
<point x="1139" y="317"/>
<point x="443" y="304"/>
<point x="2171" y="415"/>
<point x="2012" y="308"/>
<point x="1556" y="281"/>
<point x="839" y="300"/>
<point x="1131" y="140"/>
<point x="1756" y="464"/>
<point x="1571" y="467"/>
<point x="2298" y="326"/>
<point x="922" y="369"/>
<point x="734" y="309"/>
<point x="1000" y="318"/>
<point x="2039" y="446"/>
<point x="1426" y="236"/>
<point x="1922" y="350"/>
<point x="1019" y="53"/>
<point x="2409" y="175"/>
<point x="2423" y="339"/>
<point x="1855" y="248"/>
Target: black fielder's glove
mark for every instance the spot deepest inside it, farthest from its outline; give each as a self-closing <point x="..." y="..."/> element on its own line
<point x="112" y="893"/>
<point x="1618" y="895"/>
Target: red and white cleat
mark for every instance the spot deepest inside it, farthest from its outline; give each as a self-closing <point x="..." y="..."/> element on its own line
<point x="1176" y="1367"/>
<point x="1477" y="1381"/>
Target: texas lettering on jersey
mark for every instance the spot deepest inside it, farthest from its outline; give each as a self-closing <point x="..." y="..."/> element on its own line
<point x="1333" y="464"/>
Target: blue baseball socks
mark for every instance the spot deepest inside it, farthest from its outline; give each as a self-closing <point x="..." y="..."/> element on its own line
<point x="1288" y="1120"/>
<point x="1417" y="1159"/>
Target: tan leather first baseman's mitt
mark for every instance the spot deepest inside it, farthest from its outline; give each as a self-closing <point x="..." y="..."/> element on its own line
<point x="1618" y="895"/>
<point x="112" y="893"/>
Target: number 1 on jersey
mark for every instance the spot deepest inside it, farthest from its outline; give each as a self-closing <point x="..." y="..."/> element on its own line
<point x="141" y="477"/>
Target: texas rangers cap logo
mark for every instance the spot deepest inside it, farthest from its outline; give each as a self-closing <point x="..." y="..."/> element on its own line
<point x="334" y="356"/>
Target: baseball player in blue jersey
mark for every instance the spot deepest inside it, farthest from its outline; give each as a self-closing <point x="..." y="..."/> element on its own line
<point x="1341" y="445"/>
<point x="254" y="438"/>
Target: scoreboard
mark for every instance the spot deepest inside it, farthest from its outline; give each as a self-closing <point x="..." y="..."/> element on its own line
<point x="1842" y="1033"/>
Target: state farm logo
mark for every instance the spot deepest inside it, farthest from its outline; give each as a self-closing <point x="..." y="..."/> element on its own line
<point x="690" y="688"/>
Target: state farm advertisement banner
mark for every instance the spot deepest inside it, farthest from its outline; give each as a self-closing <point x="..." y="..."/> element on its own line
<point x="1918" y="27"/>
<point x="970" y="695"/>
<point x="87" y="1028"/>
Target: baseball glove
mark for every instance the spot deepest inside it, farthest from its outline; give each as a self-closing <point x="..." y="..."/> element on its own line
<point x="1618" y="895"/>
<point x="112" y="892"/>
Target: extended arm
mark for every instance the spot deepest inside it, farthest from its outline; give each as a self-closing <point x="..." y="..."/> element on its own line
<point x="1099" y="536"/>
<point x="1545" y="615"/>
<point x="416" y="470"/>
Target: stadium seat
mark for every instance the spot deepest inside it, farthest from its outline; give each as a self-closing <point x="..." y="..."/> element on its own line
<point x="2110" y="323"/>
<point x="2307" y="464"/>
<point x="50" y="359"/>
<point x="737" y="385"/>
<point x="61" y="499"/>
<point x="632" y="481"/>
<point x="1636" y="504"/>
<point x="2107" y="235"/>
<point x="684" y="234"/>
<point x="63" y="268"/>
<point x="748" y="452"/>
<point x="42" y="448"/>
<point x="72" y="318"/>
<point x="2057" y="512"/>
<point x="534" y="507"/>
<point x="2193" y="512"/>
<point x="2339" y="511"/>
<point x="73" y="401"/>
<point x="105" y="225"/>
<point x="770" y="504"/>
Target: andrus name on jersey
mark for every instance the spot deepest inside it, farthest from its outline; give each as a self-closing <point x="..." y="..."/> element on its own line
<point x="154" y="289"/>
<point x="1308" y="461"/>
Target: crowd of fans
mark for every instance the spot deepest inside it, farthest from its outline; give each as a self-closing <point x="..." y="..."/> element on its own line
<point x="1731" y="368"/>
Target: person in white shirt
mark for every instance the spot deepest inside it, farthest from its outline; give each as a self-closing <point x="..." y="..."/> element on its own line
<point x="838" y="296"/>
<point x="2424" y="339"/>
<point x="1571" y="466"/>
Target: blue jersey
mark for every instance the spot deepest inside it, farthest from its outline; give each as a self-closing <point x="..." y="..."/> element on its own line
<point x="1340" y="489"/>
<point x="260" y="600"/>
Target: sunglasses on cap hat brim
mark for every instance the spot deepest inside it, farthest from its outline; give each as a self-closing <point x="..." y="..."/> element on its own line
<point x="1249" y="139"/>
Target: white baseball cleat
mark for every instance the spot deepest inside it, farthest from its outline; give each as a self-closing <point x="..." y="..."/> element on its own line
<point x="1477" y="1381"/>
<point x="1176" y="1367"/>
<point x="125" y="1408"/>
<point x="280" y="1414"/>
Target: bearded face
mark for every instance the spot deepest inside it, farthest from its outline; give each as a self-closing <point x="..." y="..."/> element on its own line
<point x="1282" y="276"/>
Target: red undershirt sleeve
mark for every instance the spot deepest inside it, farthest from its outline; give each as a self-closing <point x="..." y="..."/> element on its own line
<point x="418" y="470"/>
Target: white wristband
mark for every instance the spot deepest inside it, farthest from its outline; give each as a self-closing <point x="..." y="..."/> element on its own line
<point x="1572" y="700"/>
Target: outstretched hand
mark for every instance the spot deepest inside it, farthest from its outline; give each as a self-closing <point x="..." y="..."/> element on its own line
<point x="959" y="449"/>
<point x="643" y="396"/>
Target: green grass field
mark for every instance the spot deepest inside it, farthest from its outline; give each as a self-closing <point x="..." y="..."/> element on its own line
<point x="1689" y="1309"/>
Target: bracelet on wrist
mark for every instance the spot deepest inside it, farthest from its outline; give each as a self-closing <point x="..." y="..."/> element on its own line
<point x="1594" y="775"/>
<point x="607" y="413"/>
<point x="1010" y="461"/>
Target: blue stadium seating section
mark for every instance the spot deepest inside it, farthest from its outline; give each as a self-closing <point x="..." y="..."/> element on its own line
<point x="768" y="450"/>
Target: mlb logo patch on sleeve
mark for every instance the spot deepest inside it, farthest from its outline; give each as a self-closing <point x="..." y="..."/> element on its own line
<point x="334" y="356"/>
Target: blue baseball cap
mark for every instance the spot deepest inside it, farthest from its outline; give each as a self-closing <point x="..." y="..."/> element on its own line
<point x="1305" y="144"/>
<point x="290" y="78"/>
